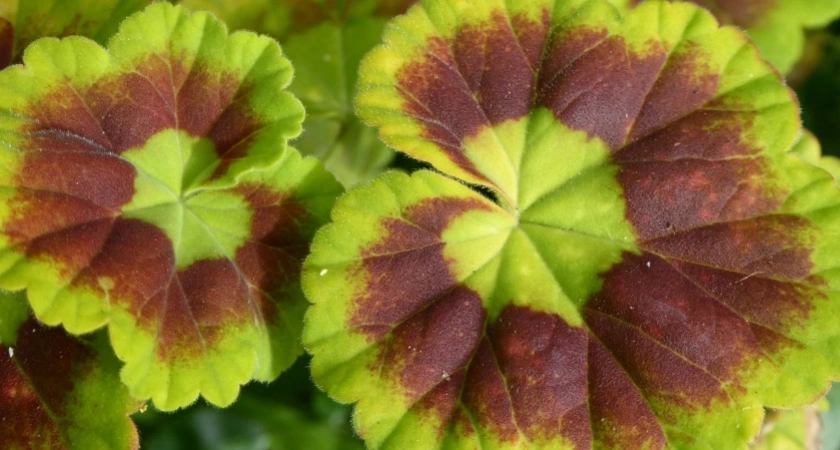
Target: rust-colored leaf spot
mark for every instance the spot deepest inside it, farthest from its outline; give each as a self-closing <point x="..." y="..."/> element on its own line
<point x="412" y="246"/>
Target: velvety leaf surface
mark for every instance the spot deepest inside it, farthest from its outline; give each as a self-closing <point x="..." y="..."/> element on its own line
<point x="58" y="391"/>
<point x="776" y="26"/>
<point x="658" y="265"/>
<point x="23" y="21"/>
<point x="149" y="186"/>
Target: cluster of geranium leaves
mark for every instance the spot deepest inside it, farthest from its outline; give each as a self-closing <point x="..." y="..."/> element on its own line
<point x="149" y="187"/>
<point x="325" y="41"/>
<point x="658" y="264"/>
<point x="776" y="26"/>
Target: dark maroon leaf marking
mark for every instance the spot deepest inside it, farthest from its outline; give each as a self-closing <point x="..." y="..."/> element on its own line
<point x="620" y="416"/>
<point x="413" y="246"/>
<point x="432" y="345"/>
<point x="602" y="90"/>
<point x="485" y="78"/>
<point x="271" y="259"/>
<point x="203" y="298"/>
<point x="123" y="111"/>
<point x="543" y="361"/>
<point x="35" y="383"/>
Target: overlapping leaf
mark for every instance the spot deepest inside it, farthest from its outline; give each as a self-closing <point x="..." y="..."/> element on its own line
<point x="776" y="26"/>
<point x="796" y="429"/>
<point x="657" y="268"/>
<point x="149" y="186"/>
<point x="325" y="42"/>
<point x="57" y="391"/>
<point x="23" y="21"/>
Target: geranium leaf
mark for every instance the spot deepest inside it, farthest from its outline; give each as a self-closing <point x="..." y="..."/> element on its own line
<point x="151" y="186"/>
<point x="58" y="391"/>
<point x="657" y="268"/>
<point x="776" y="26"/>
<point x="23" y="21"/>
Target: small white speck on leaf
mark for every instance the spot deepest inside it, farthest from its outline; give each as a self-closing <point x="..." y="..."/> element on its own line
<point x="323" y="272"/>
<point x="444" y="376"/>
<point x="648" y="264"/>
<point x="11" y="352"/>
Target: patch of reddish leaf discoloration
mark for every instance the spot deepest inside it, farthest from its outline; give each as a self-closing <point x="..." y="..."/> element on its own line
<point x="620" y="415"/>
<point x="122" y="111"/>
<point x="485" y="77"/>
<point x="414" y="247"/>
<point x="35" y="384"/>
<point x="683" y="86"/>
<point x="72" y="184"/>
<point x="271" y="259"/>
<point x="603" y="89"/>
<point x="431" y="346"/>
<point x="668" y="197"/>
<point x="652" y="304"/>
<point x="186" y="308"/>
<point x="543" y="361"/>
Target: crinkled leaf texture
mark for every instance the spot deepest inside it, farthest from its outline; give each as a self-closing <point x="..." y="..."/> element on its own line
<point x="776" y="26"/>
<point x="58" y="391"/>
<point x="23" y="21"/>
<point x="657" y="268"/>
<point x="149" y="187"/>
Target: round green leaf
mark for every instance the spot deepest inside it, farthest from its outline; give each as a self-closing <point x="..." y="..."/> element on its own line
<point x="658" y="265"/>
<point x="149" y="186"/>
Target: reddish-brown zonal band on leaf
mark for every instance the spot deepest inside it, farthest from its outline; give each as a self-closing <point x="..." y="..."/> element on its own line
<point x="150" y="187"/>
<point x="657" y="267"/>
<point x="57" y="391"/>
